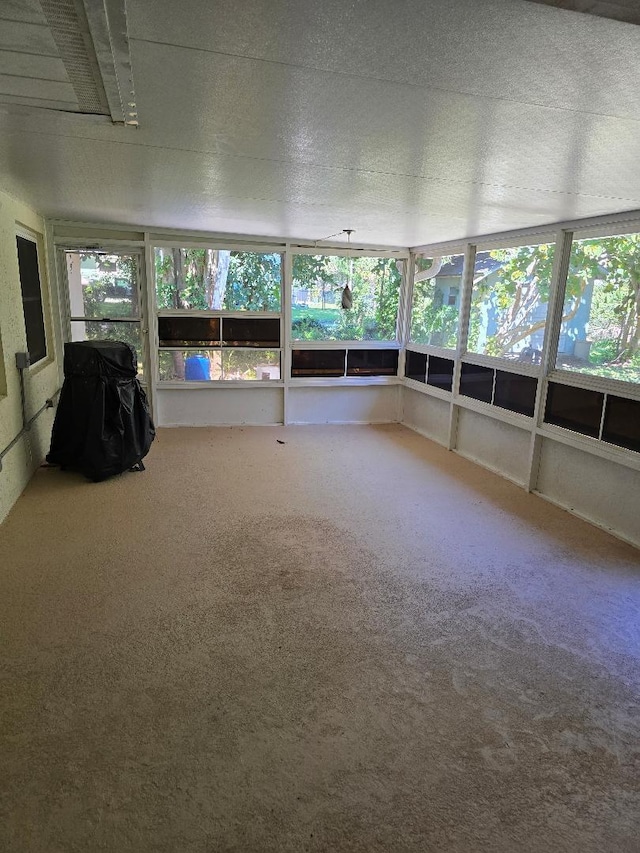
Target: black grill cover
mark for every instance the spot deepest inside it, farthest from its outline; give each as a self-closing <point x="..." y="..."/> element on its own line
<point x="102" y="424"/>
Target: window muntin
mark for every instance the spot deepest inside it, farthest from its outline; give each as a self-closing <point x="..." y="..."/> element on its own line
<point x="435" y="304"/>
<point x="323" y="284"/>
<point x="29" y="269"/>
<point x="600" y="330"/>
<point x="208" y="279"/>
<point x="509" y="302"/>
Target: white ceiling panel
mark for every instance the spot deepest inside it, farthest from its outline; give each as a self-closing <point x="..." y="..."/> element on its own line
<point x="408" y="120"/>
<point x="22" y="37"/>
<point x="160" y="187"/>
<point x="294" y="114"/>
<point x="508" y="49"/>
<point x="30" y="65"/>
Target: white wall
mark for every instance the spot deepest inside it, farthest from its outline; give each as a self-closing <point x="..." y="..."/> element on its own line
<point x="368" y="404"/>
<point x="494" y="444"/>
<point x="597" y="489"/>
<point x="228" y="406"/>
<point x="42" y="379"/>
<point x="594" y="488"/>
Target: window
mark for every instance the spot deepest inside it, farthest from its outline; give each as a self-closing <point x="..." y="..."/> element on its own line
<point x="337" y="298"/>
<point x="440" y="372"/>
<point x="516" y="393"/>
<point x="29" y="269"/>
<point x="217" y="280"/>
<point x="372" y="362"/>
<point x="600" y="331"/>
<point x="622" y="422"/>
<point x="318" y="362"/>
<point x="435" y="303"/>
<point x="577" y="409"/>
<point x="104" y="298"/>
<point x="212" y="348"/>
<point x="509" y="302"/>
<point x="207" y="365"/>
<point x="337" y="363"/>
<point x="415" y="366"/>
<point x="477" y="382"/>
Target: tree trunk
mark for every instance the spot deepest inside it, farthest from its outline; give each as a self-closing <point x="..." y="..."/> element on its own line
<point x="215" y="277"/>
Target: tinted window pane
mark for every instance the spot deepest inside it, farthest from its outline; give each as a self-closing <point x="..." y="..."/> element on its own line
<point x="31" y="299"/>
<point x="576" y="409"/>
<point x="217" y="279"/>
<point x="344" y="299"/>
<point x="476" y="382"/>
<point x="415" y="366"/>
<point x="102" y="285"/>
<point x="509" y="302"/>
<point x="188" y="331"/>
<point x="516" y="393"/>
<point x="317" y="362"/>
<point x="622" y="422"/>
<point x="190" y="365"/>
<point x="600" y="332"/>
<point x="250" y="332"/>
<point x="437" y="286"/>
<point x="96" y="330"/>
<point x="372" y="362"/>
<point x="440" y="372"/>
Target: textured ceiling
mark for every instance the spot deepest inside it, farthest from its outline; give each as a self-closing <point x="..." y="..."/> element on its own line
<point x="408" y="120"/>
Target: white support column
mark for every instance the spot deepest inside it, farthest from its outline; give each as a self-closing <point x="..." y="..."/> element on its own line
<point x="550" y="347"/>
<point x="285" y="340"/>
<point x="149" y="321"/>
<point x="463" y="336"/>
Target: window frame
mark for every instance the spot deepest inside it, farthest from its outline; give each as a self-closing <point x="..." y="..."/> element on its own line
<point x="589" y="381"/>
<point x="156" y="242"/>
<point x="354" y="252"/>
<point x="131" y="248"/>
<point x="509" y="242"/>
<point x="216" y="246"/>
<point x="38" y="239"/>
<point x="433" y="349"/>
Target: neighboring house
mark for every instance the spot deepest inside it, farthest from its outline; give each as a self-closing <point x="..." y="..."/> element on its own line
<point x="487" y="269"/>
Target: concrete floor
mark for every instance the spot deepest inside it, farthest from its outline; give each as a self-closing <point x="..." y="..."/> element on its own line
<point x="352" y="641"/>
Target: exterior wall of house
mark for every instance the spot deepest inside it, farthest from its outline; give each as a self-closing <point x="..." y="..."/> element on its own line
<point x="42" y="379"/>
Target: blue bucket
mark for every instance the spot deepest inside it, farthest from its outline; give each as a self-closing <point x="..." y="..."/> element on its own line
<point x="197" y="367"/>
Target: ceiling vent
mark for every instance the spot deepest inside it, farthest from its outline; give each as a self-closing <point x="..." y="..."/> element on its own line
<point x="68" y="55"/>
<point x="70" y="32"/>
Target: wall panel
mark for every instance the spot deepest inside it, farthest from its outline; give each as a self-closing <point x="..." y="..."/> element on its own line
<point x="219" y="406"/>
<point x="426" y="414"/>
<point x="597" y="489"/>
<point x="496" y="445"/>
<point x="344" y="404"/>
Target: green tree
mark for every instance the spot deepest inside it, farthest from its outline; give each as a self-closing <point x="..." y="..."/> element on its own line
<point x="610" y="264"/>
